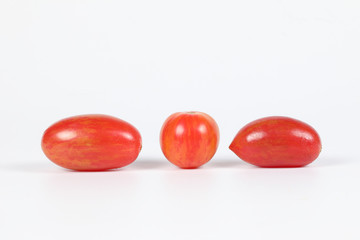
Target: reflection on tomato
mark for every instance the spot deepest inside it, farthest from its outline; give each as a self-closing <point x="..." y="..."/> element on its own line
<point x="189" y="139"/>
<point x="277" y="142"/>
<point x="91" y="143"/>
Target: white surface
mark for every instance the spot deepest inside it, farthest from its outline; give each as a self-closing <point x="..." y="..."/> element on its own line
<point x="142" y="61"/>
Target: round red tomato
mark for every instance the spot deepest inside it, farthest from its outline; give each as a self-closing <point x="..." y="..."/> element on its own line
<point x="277" y="142"/>
<point x="91" y="143"/>
<point x="189" y="139"/>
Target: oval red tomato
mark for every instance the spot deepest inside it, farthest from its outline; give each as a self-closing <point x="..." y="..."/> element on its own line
<point x="91" y="143"/>
<point x="277" y="142"/>
<point x="189" y="139"/>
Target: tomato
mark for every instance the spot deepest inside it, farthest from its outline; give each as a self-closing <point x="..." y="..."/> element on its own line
<point x="91" y="143"/>
<point x="277" y="142"/>
<point x="189" y="139"/>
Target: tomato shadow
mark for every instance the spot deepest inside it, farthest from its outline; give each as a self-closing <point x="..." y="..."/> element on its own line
<point x="151" y="163"/>
<point x="326" y="161"/>
<point x="43" y="167"/>
<point x="163" y="164"/>
<point x="220" y="163"/>
<point x="332" y="161"/>
<point x="50" y="168"/>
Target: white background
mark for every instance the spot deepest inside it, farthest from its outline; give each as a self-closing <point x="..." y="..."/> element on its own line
<point x="141" y="61"/>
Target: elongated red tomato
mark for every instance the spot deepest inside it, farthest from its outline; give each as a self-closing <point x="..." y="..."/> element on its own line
<point x="189" y="139"/>
<point x="277" y="142"/>
<point x="91" y="143"/>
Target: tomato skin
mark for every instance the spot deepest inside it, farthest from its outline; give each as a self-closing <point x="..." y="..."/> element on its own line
<point x="91" y="142"/>
<point x="277" y="142"/>
<point x="189" y="139"/>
